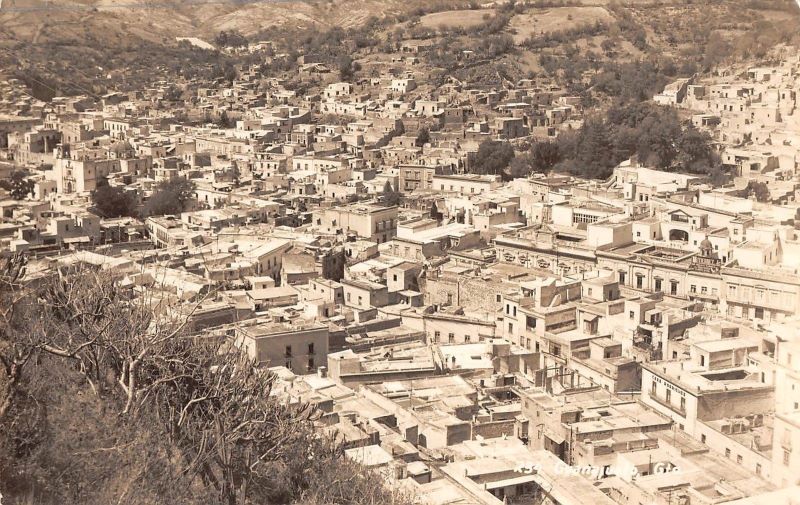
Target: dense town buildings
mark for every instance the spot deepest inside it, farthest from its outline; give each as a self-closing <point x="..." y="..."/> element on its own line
<point x="476" y="340"/>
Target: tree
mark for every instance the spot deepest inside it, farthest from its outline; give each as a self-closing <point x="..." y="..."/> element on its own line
<point x="112" y="201"/>
<point x="344" y="64"/>
<point x="231" y="38"/>
<point x="594" y="150"/>
<point x="223" y="121"/>
<point x="759" y="190"/>
<point x="162" y="203"/>
<point x="13" y="353"/>
<point x="18" y="185"/>
<point x="520" y="166"/>
<point x="545" y="155"/>
<point x="170" y="198"/>
<point x="423" y="136"/>
<point x="493" y="157"/>
<point x="717" y="50"/>
<point x="390" y="196"/>
<point x="122" y="403"/>
<point x="717" y="176"/>
<point x="695" y="152"/>
<point x="653" y="133"/>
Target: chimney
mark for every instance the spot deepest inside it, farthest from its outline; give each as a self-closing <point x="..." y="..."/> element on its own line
<point x="322" y="372"/>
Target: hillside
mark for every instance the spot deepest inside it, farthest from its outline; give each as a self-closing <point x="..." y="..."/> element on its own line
<point x="92" y="46"/>
<point x="42" y="21"/>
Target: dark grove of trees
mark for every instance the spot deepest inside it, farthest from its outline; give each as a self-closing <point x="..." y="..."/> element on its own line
<point x="653" y="133"/>
<point x="102" y="401"/>
<point x="230" y="38"/>
<point x="635" y="81"/>
<point x="493" y="158"/>
<point x="170" y="198"/>
<point x="112" y="201"/>
<point x="540" y="158"/>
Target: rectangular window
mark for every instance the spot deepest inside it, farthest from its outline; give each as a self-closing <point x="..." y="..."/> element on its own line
<point x="311" y="348"/>
<point x="653" y="388"/>
<point x="669" y="395"/>
<point x="467" y="339"/>
<point x="311" y="364"/>
<point x="288" y="351"/>
<point x="436" y="336"/>
<point x="683" y="403"/>
<point x="727" y="453"/>
<point x="758" y="469"/>
<point x="451" y="338"/>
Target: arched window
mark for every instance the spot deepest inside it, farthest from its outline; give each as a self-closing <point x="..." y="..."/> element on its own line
<point x="679" y="235"/>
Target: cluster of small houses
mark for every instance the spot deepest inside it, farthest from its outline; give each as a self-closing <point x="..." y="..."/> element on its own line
<point x="472" y="339"/>
<point x="752" y="115"/>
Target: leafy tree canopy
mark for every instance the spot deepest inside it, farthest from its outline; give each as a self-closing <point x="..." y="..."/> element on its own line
<point x="170" y="198"/>
<point x="493" y="157"/>
<point x="112" y="202"/>
<point x="18" y="185"/>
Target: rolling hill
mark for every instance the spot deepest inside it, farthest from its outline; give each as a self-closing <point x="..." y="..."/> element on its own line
<point x="65" y="21"/>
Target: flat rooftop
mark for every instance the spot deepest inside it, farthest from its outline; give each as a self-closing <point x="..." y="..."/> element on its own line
<point x="696" y="380"/>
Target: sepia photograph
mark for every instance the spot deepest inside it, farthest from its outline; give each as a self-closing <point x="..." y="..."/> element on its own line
<point x="399" y="252"/>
